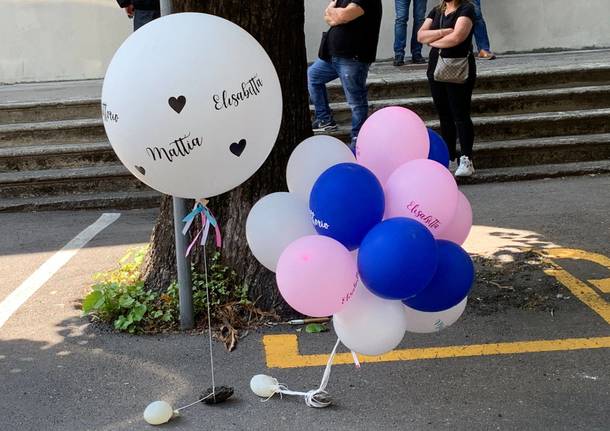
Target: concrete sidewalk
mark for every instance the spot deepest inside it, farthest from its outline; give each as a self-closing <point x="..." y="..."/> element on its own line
<point x="58" y="372"/>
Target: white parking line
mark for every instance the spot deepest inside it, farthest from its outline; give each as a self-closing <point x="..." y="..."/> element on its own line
<point x="35" y="281"/>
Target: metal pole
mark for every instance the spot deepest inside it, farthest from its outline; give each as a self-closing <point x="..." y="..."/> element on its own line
<point x="183" y="267"/>
<point x="183" y="263"/>
<point x="166" y="7"/>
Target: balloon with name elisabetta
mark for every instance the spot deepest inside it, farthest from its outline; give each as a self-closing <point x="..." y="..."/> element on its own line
<point x="192" y="105"/>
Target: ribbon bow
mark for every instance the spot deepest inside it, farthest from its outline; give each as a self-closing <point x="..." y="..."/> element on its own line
<point x="207" y="220"/>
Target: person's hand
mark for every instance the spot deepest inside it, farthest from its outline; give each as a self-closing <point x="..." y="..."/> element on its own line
<point x="328" y="14"/>
<point x="129" y="10"/>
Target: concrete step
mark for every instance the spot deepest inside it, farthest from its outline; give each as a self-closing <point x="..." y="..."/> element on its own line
<point x="81" y="201"/>
<point x="387" y="81"/>
<point x="54" y="182"/>
<point x="55" y="156"/>
<point x="513" y="102"/>
<point x="542" y="151"/>
<point x="54" y="110"/>
<point x="524" y="173"/>
<point x="52" y="132"/>
<point x="522" y="126"/>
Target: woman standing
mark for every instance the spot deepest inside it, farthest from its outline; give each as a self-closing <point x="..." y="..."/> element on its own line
<point x="448" y="30"/>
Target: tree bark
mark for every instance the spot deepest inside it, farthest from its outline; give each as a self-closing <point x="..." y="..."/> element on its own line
<point x="278" y="26"/>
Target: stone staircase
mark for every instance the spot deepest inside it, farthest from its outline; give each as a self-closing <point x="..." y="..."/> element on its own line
<point x="536" y="116"/>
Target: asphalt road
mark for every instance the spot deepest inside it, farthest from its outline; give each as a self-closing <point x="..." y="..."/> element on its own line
<point x="59" y="373"/>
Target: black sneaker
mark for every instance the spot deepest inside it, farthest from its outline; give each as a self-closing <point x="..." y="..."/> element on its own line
<point x="399" y="61"/>
<point x="418" y="59"/>
<point x="324" y="126"/>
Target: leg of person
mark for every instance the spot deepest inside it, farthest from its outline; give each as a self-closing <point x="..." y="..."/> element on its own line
<point x="419" y="16"/>
<point x="400" y="30"/>
<point x="318" y="75"/>
<point x="142" y="17"/>
<point x="460" y="96"/>
<point x="480" y="33"/>
<point x="353" y="75"/>
<point x="441" y="103"/>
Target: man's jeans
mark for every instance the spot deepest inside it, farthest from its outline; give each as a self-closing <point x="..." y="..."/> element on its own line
<point x="400" y="26"/>
<point x="480" y="29"/>
<point x="352" y="74"/>
<point x="143" y="17"/>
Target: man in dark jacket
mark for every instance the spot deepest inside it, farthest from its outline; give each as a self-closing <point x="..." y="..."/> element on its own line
<point x="142" y="11"/>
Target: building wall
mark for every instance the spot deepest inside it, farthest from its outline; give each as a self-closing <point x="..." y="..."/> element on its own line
<point x="44" y="40"/>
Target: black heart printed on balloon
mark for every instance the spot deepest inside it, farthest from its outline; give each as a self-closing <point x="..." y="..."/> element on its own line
<point x="178" y="103"/>
<point x="140" y="169"/>
<point x="238" y="147"/>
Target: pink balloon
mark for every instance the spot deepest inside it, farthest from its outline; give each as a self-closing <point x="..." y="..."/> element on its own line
<point x="423" y="190"/>
<point x="389" y="138"/>
<point x="459" y="227"/>
<point x="316" y="275"/>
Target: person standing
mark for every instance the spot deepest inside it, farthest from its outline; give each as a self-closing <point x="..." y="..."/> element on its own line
<point x="480" y="33"/>
<point x="400" y="30"/>
<point x="448" y="30"/>
<point x="346" y="51"/>
<point x="142" y="11"/>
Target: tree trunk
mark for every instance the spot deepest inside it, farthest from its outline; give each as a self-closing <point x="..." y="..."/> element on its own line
<point x="278" y="26"/>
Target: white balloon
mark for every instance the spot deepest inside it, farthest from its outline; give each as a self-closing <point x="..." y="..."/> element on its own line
<point x="310" y="159"/>
<point x="369" y="324"/>
<point x="274" y="222"/>
<point x="192" y="105"/>
<point x="423" y="322"/>
<point x="158" y="412"/>
<point x="264" y="386"/>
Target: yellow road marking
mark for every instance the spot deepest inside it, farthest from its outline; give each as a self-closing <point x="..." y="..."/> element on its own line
<point x="603" y="285"/>
<point x="579" y="288"/>
<point x="282" y="351"/>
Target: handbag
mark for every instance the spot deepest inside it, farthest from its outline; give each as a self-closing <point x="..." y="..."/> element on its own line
<point x="451" y="70"/>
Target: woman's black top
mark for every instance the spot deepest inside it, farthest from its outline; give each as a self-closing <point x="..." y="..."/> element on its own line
<point x="439" y="20"/>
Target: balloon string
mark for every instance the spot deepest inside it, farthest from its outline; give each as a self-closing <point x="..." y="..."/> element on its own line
<point x="207" y="295"/>
<point x="312" y="398"/>
<point x="192" y="404"/>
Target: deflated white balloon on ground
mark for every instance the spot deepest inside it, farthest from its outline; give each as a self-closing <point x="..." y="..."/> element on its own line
<point x="423" y="322"/>
<point x="192" y="105"/>
<point x="158" y="412"/>
<point x="310" y="159"/>
<point x="275" y="222"/>
<point x="369" y="324"/>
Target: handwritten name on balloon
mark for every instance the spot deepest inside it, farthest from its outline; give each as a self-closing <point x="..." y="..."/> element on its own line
<point x="317" y="222"/>
<point x="180" y="147"/>
<point x="428" y="220"/>
<point x="248" y="89"/>
<point x="351" y="293"/>
<point x="108" y="115"/>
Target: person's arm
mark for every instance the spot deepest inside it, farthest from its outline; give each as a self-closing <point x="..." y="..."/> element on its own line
<point x="342" y="15"/>
<point x="462" y="29"/>
<point x="128" y="6"/>
<point x="427" y="35"/>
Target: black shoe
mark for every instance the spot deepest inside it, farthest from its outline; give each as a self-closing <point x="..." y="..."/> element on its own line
<point x="418" y="59"/>
<point x="399" y="61"/>
<point x="324" y="126"/>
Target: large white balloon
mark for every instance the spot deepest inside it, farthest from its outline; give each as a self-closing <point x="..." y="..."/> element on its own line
<point x="370" y="325"/>
<point x="423" y="322"/>
<point x="275" y="222"/>
<point x="192" y="105"/>
<point x="310" y="159"/>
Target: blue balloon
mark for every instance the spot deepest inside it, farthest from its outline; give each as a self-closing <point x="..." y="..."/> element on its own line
<point x="438" y="148"/>
<point x="346" y="201"/>
<point x="451" y="283"/>
<point x="397" y="259"/>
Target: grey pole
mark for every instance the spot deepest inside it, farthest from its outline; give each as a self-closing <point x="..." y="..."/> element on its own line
<point x="183" y="266"/>
<point x="183" y="263"/>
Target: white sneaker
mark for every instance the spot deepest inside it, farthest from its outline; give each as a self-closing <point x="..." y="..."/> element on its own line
<point x="466" y="169"/>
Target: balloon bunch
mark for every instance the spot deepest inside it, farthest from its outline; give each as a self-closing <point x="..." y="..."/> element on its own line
<point x="372" y="239"/>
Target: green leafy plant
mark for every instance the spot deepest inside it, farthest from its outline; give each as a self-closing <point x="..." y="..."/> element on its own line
<point x="120" y="298"/>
